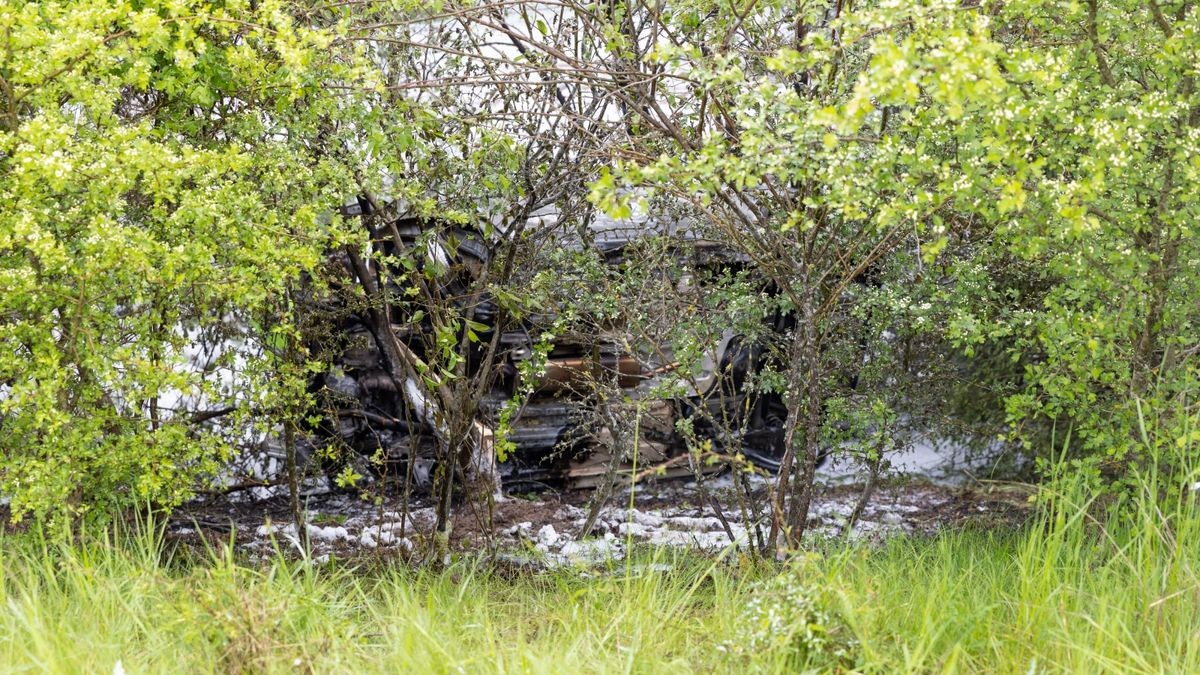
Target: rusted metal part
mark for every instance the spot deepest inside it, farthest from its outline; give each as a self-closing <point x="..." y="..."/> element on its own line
<point x="574" y="373"/>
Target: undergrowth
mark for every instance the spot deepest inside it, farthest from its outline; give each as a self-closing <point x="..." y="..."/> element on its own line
<point x="1079" y="588"/>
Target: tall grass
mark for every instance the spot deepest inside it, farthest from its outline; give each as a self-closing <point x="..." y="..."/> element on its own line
<point x="75" y="606"/>
<point x="1078" y="589"/>
<point x="1083" y="587"/>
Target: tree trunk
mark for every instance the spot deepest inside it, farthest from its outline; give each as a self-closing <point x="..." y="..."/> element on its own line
<point x="436" y="408"/>
<point x="802" y="488"/>
<point x="289" y="449"/>
<point x="808" y="357"/>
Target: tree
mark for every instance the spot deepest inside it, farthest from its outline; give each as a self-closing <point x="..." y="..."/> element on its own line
<point x="735" y="121"/>
<point x="905" y="181"/>
<point x="1062" y="140"/>
<point x="1081" y="156"/>
<point x="162" y="179"/>
<point x="752" y="116"/>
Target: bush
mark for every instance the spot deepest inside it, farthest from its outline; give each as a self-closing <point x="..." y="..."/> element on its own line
<point x="152" y="216"/>
<point x="789" y="616"/>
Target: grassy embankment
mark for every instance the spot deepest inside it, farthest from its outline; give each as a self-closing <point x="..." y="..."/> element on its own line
<point x="1065" y="593"/>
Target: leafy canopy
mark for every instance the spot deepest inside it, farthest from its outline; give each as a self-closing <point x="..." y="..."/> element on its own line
<point x="160" y="184"/>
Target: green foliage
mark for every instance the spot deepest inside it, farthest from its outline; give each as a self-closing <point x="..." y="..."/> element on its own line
<point x="158" y="188"/>
<point x="1013" y="183"/>
<point x="1061" y="138"/>
<point x="1035" y="161"/>
<point x="790" y="616"/>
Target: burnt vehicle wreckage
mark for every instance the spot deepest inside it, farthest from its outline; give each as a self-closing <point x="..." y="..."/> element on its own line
<point x="371" y="403"/>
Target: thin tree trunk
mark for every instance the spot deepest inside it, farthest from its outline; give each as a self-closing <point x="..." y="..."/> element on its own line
<point x="289" y="447"/>
<point x="445" y="492"/>
<point x="868" y="491"/>
<point x="289" y="443"/>
<point x="802" y="489"/>
<point x="793" y="404"/>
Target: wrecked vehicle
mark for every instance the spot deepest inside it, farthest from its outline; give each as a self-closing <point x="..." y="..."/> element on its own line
<point x="553" y="434"/>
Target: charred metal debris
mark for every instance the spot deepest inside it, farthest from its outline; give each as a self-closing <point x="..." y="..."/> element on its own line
<point x="574" y="426"/>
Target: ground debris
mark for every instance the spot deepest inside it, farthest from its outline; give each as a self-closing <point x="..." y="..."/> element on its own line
<point x="542" y="531"/>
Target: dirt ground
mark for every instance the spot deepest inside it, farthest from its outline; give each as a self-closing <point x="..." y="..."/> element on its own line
<point x="544" y="528"/>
